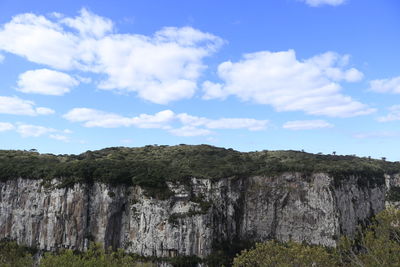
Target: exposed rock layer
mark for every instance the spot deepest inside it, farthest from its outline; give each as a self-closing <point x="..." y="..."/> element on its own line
<point x="198" y="215"/>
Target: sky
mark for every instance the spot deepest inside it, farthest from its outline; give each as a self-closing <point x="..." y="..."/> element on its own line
<point x="312" y="75"/>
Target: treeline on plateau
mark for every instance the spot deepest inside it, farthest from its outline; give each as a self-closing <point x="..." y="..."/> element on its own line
<point x="376" y="245"/>
<point x="152" y="166"/>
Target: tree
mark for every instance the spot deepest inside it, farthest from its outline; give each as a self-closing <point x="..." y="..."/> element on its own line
<point x="277" y="254"/>
<point x="375" y="246"/>
<point x="12" y="255"/>
<point x="94" y="257"/>
<point x="378" y="245"/>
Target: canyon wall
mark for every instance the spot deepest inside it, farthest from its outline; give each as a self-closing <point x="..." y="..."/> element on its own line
<point x="195" y="218"/>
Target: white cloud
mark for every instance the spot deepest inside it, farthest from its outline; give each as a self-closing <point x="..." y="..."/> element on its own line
<point x="166" y="119"/>
<point x="84" y="79"/>
<point x="89" y="24"/>
<point x="17" y="106"/>
<point x="393" y="115"/>
<point x="282" y="81"/>
<point x="189" y="131"/>
<point x="160" y="68"/>
<point x="44" y="111"/>
<point x="315" y="3"/>
<point x="223" y="123"/>
<point x="96" y="118"/>
<point x="1" y="58"/>
<point x="307" y="125"/>
<point x="386" y="85"/>
<point x="46" y="82"/>
<point x="59" y="137"/>
<point x="159" y="120"/>
<point x="6" y="126"/>
<point x="39" y="40"/>
<point x="27" y="130"/>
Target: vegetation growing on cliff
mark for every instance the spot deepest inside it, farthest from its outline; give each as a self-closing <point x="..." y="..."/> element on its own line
<point x="152" y="166"/>
<point x="393" y="194"/>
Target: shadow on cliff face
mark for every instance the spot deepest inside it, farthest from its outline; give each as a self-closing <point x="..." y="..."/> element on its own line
<point x="113" y="229"/>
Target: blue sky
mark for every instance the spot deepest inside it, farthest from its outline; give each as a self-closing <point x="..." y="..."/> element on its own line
<point x="318" y="75"/>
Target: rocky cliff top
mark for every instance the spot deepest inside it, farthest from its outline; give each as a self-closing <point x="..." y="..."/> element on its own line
<point x="152" y="166"/>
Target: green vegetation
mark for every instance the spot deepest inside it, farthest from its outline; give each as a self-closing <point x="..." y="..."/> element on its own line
<point x="151" y="166"/>
<point x="288" y="254"/>
<point x="93" y="257"/>
<point x="12" y="255"/>
<point x="377" y="245"/>
<point x="393" y="194"/>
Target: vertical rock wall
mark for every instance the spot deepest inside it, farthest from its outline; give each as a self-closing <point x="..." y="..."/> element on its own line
<point x="292" y="206"/>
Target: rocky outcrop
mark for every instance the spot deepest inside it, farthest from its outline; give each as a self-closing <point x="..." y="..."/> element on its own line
<point x="393" y="188"/>
<point x="198" y="215"/>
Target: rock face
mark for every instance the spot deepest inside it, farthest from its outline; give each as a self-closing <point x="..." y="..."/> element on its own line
<point x="198" y="215"/>
<point x="392" y="183"/>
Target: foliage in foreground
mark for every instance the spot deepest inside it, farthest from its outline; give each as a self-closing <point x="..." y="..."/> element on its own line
<point x="377" y="245"/>
<point x="273" y="253"/>
<point x="12" y="255"/>
<point x="94" y="257"/>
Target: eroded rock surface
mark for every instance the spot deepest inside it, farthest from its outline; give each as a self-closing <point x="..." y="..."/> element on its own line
<point x="291" y="206"/>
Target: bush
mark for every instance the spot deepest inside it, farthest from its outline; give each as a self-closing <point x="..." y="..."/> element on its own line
<point x="376" y="245"/>
<point x="12" y="255"/>
<point x="152" y="166"/>
<point x="393" y="194"/>
<point x="277" y="254"/>
<point x="94" y="257"/>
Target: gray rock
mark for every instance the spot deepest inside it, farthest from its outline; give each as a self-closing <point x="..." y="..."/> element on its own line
<point x="291" y="206"/>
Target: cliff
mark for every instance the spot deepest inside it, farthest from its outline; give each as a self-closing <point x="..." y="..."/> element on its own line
<point x="191" y="221"/>
<point x="191" y="216"/>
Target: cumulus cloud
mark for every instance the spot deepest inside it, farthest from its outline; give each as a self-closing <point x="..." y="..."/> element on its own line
<point x="223" y="123"/>
<point x="97" y="118"/>
<point x="44" y="111"/>
<point x="17" y="106"/>
<point x="386" y="85"/>
<point x="89" y="24"/>
<point x="166" y="119"/>
<point x="60" y="137"/>
<point x="281" y="80"/>
<point x="39" y="40"/>
<point x="46" y="82"/>
<point x="316" y="3"/>
<point x="27" y="130"/>
<point x="160" y="68"/>
<point x="393" y="115"/>
<point x="5" y="126"/>
<point x="307" y="125"/>
<point x="189" y="131"/>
